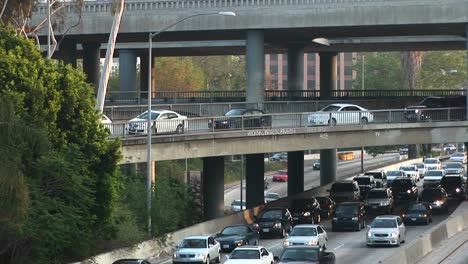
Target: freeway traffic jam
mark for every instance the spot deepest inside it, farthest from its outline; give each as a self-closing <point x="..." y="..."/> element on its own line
<point x="358" y="220"/>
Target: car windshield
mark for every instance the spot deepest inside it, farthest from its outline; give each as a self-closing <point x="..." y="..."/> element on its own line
<point x="304" y="231"/>
<point x="454" y="165"/>
<point x="430" y="195"/>
<point x="434" y="173"/>
<point x="430" y="161"/>
<point x="417" y="209"/>
<point x="245" y="254"/>
<point x="235" y="230"/>
<point x="144" y="115"/>
<point x="238" y="203"/>
<point x="273" y="214"/>
<point x="272" y="196"/>
<point x="451" y="181"/>
<point x="419" y="165"/>
<point x="376" y="194"/>
<point x="331" y="108"/>
<point x="342" y="187"/>
<point x="362" y="181"/>
<point x="281" y="172"/>
<point x="401" y="184"/>
<point x="235" y="112"/>
<point x="193" y="243"/>
<point x="458" y="155"/>
<point x="407" y="168"/>
<point x="376" y="175"/>
<point x="299" y="254"/>
<point x="393" y="173"/>
<point x="342" y="209"/>
<point x="383" y="223"/>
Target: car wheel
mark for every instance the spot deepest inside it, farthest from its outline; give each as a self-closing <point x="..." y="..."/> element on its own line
<point x="218" y="259"/>
<point x="399" y="242"/>
<point x="319" y="219"/>
<point x="283" y="233"/>
<point x="180" y="129"/>
<point x="324" y="245"/>
<point x="207" y="259"/>
<point x="154" y="130"/>
<point x="364" y="121"/>
<point x="332" y="122"/>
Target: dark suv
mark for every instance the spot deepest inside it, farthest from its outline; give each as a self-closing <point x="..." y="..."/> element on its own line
<point x="436" y="197"/>
<point x="366" y="183"/>
<point x="344" y="191"/>
<point x="242" y="118"/>
<point x="404" y="188"/>
<point x="305" y="211"/>
<point x="349" y="216"/>
<point x="454" y="185"/>
<point x="423" y="112"/>
<point x="274" y="221"/>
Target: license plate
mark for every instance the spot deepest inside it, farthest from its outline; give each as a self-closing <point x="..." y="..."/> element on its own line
<point x="266" y="230"/>
<point x="375" y="207"/>
<point x="413" y="219"/>
<point x="225" y="246"/>
<point x="295" y="218"/>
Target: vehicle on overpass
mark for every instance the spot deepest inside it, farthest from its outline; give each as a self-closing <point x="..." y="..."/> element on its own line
<point x="386" y="230"/>
<point x="307" y="235"/>
<point x="327" y="206"/>
<point x="271" y="196"/>
<point x="250" y="255"/>
<point x="404" y="189"/>
<point x="392" y="175"/>
<point x="316" y="165"/>
<point x="449" y="148"/>
<point x="162" y="121"/>
<point x="432" y="164"/>
<point x="242" y="118"/>
<point x="280" y="176"/>
<point x="344" y="191"/>
<point x="454" y="168"/>
<point x="380" y="177"/>
<point x="426" y="110"/>
<point x="235" y="236"/>
<point x="417" y="213"/>
<point x="458" y="157"/>
<point x="366" y="183"/>
<point x="379" y="200"/>
<point x="436" y="197"/>
<point x="454" y="185"/>
<point x="349" y="215"/>
<point x="305" y="255"/>
<point x="199" y="249"/>
<point x="341" y="114"/>
<point x="283" y="156"/>
<point x="433" y="178"/>
<point x="275" y="221"/>
<point x="305" y="211"/>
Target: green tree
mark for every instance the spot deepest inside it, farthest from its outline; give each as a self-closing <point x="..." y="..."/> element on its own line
<point x="222" y="72"/>
<point x="443" y="70"/>
<point x="382" y="71"/>
<point x="177" y="73"/>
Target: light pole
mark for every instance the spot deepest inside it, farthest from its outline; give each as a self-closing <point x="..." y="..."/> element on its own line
<point x="150" y="90"/>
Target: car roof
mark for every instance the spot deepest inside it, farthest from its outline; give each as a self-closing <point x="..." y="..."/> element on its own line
<point x="373" y="171"/>
<point x="302" y="246"/>
<point x="306" y="226"/>
<point x="248" y="247"/>
<point x="386" y="217"/>
<point x="437" y="170"/>
<point x="378" y="190"/>
<point x="344" y="105"/>
<point x="402" y="178"/>
<point x="198" y="237"/>
<point x="431" y="159"/>
<point x="128" y="260"/>
<point x="350" y="203"/>
<point x="363" y="176"/>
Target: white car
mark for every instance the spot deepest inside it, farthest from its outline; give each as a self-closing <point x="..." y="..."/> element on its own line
<point x="386" y="230"/>
<point x="433" y="178"/>
<point x="309" y="235"/>
<point x="392" y="174"/>
<point x="270" y="197"/>
<point x="163" y="121"/>
<point x="456" y="168"/>
<point x="459" y="156"/>
<point x="411" y="171"/>
<point x="238" y="205"/>
<point x="432" y="164"/>
<point x="250" y="255"/>
<point x="342" y="114"/>
<point x="200" y="249"/>
<point x="421" y="169"/>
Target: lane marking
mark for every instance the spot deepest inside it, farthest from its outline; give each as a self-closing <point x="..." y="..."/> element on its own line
<point x="338" y="247"/>
<point x="276" y="245"/>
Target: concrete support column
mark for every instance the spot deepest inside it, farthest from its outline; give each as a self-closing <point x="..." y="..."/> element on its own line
<point x="213" y="187"/>
<point x="327" y="166"/>
<point x="255" y="67"/>
<point x="328" y="74"/>
<point x="466" y="78"/>
<point x="254" y="174"/>
<point x="127" y="72"/>
<point x="91" y="62"/>
<point x="144" y="74"/>
<point x="295" y="172"/>
<point x="413" y="151"/>
<point x="295" y="68"/>
<point x="67" y="52"/>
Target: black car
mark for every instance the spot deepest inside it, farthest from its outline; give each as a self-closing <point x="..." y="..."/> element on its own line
<point x="404" y="189"/>
<point x="344" y="191"/>
<point x="417" y="213"/>
<point x="316" y="165"/>
<point x="305" y="211"/>
<point x="349" y="215"/>
<point x="305" y="254"/>
<point x="425" y="110"/>
<point x="366" y="183"/>
<point x="283" y="156"/>
<point x="242" y="118"/>
<point x="235" y="236"/>
<point x="275" y="221"/>
<point x="454" y="185"/>
<point x="437" y="198"/>
<point x="327" y="205"/>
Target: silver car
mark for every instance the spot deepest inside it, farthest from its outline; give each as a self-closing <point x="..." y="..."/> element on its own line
<point x="201" y="249"/>
<point x="309" y="235"/>
<point x="386" y="230"/>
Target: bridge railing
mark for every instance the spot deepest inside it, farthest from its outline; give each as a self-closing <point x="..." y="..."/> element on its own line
<point x="161" y="97"/>
<point x="283" y="123"/>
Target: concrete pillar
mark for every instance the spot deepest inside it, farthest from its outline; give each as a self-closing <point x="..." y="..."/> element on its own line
<point x="413" y="151"/>
<point x="127" y="72"/>
<point x="67" y="52"/>
<point x="295" y="68"/>
<point x="91" y="62"/>
<point x="466" y="78"/>
<point x="327" y="166"/>
<point x="213" y="187"/>
<point x="144" y="74"/>
<point x="328" y="74"/>
<point x="295" y="172"/>
<point x="255" y="67"/>
<point x="254" y="174"/>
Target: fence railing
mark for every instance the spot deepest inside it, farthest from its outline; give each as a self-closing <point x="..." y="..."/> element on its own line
<point x="117" y="98"/>
<point x="283" y="123"/>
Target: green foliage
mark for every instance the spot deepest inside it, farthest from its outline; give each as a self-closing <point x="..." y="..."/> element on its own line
<point x="222" y="72"/>
<point x="382" y="70"/>
<point x="177" y="73"/>
<point x="443" y="70"/>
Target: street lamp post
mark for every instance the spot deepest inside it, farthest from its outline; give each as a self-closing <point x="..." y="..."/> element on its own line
<point x="150" y="90"/>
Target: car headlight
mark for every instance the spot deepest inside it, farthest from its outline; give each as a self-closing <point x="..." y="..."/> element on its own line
<point x="277" y="225"/>
<point x="312" y="243"/>
<point x="224" y="122"/>
<point x="369" y="234"/>
<point x="176" y="255"/>
<point x="286" y="243"/>
<point x="394" y="234"/>
<point x="384" y="203"/>
<point x="408" y="191"/>
<point x="438" y="202"/>
<point x="306" y="213"/>
<point x="200" y="255"/>
<point x="354" y="218"/>
<point x="335" y="218"/>
<point x="239" y="242"/>
<point x="457" y="190"/>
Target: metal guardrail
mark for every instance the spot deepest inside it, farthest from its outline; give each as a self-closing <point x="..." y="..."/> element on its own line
<point x="118" y="98"/>
<point x="274" y="124"/>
